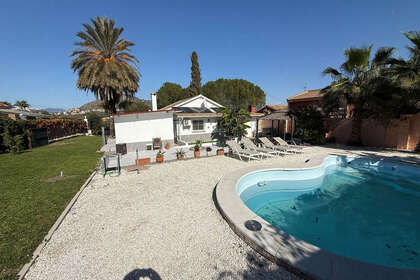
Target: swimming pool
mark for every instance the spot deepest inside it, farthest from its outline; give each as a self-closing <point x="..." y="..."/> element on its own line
<point x="356" y="207"/>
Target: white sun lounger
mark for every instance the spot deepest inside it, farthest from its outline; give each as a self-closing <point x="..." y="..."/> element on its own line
<point x="237" y="149"/>
<point x="251" y="146"/>
<point x="281" y="142"/>
<point x="268" y="144"/>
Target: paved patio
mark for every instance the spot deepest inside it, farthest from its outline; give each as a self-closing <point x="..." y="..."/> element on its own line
<point x="162" y="224"/>
<point x="129" y="159"/>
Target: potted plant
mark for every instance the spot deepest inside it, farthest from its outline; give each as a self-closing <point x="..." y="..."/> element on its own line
<point x="208" y="149"/>
<point x="180" y="154"/>
<point x="167" y="146"/>
<point x="197" y="150"/>
<point x="220" y="152"/>
<point x="159" y="156"/>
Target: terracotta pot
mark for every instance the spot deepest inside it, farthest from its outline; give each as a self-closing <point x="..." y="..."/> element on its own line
<point x="159" y="159"/>
<point x="196" y="154"/>
<point x="220" y="152"/>
<point x="179" y="157"/>
<point x="142" y="161"/>
<point x="167" y="146"/>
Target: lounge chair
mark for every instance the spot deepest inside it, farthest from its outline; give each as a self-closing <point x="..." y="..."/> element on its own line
<point x="251" y="146"/>
<point x="237" y="149"/>
<point x="268" y="144"/>
<point x="281" y="142"/>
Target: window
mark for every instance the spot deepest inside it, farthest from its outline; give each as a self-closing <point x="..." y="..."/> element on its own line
<point x="198" y="125"/>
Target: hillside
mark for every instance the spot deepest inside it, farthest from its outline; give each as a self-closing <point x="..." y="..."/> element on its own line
<point x="98" y="104"/>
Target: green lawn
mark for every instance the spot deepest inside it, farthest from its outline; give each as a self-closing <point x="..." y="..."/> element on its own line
<point x="29" y="205"/>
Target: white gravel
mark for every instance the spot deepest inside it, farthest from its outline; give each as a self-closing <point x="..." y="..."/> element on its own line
<point x="159" y="224"/>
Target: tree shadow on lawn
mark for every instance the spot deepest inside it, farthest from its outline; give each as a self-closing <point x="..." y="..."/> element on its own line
<point x="144" y="273"/>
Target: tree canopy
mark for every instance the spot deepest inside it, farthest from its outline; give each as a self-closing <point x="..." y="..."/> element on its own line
<point x="134" y="106"/>
<point x="22" y="104"/>
<point x="234" y="92"/>
<point x="195" y="84"/>
<point x="355" y="85"/>
<point x="104" y="64"/>
<point x="170" y="93"/>
<point x="233" y="122"/>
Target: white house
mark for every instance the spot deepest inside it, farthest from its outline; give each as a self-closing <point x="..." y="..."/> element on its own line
<point x="184" y="121"/>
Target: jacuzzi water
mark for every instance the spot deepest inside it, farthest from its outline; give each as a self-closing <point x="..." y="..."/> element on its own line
<point x="359" y="208"/>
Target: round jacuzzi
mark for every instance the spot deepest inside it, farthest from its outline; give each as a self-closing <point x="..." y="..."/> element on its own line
<point x="345" y="214"/>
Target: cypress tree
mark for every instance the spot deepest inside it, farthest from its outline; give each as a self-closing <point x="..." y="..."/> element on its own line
<point x="195" y="85"/>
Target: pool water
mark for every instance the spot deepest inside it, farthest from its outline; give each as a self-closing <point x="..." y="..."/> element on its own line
<point x="364" y="210"/>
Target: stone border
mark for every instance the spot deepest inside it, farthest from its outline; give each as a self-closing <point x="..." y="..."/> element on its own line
<point x="36" y="253"/>
<point x="295" y="255"/>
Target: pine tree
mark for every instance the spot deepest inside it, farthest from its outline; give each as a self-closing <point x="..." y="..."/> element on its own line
<point x="195" y="85"/>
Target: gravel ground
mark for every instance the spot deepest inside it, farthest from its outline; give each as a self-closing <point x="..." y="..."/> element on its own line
<point x="159" y="224"/>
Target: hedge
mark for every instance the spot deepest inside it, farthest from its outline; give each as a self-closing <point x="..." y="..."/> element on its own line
<point x="15" y="134"/>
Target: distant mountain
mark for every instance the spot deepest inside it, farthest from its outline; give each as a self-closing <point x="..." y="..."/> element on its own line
<point x="54" y="110"/>
<point x="98" y="104"/>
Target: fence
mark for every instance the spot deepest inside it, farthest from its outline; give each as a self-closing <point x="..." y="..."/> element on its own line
<point x="401" y="134"/>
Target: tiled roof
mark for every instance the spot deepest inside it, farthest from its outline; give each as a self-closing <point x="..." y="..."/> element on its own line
<point x="277" y="107"/>
<point x="4" y="106"/>
<point x="306" y="95"/>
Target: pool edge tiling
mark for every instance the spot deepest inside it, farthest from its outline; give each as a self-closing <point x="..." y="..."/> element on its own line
<point x="298" y="256"/>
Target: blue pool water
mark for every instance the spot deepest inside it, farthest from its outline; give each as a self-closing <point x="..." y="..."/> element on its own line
<point x="366" y="210"/>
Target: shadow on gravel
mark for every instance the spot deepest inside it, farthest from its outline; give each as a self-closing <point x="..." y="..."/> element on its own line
<point x="258" y="268"/>
<point x="144" y="273"/>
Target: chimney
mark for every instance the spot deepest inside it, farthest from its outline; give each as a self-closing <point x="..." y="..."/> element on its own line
<point x="154" y="101"/>
<point x="252" y="109"/>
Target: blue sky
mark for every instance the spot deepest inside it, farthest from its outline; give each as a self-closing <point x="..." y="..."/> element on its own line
<point x="282" y="46"/>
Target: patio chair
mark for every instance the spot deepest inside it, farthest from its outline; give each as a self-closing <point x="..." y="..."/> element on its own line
<point x="237" y="149"/>
<point x="251" y="146"/>
<point x="268" y="144"/>
<point x="283" y="143"/>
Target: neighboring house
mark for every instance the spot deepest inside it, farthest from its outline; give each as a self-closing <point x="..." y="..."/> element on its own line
<point x="184" y="121"/>
<point x="14" y="114"/>
<point x="276" y="121"/>
<point x="4" y="105"/>
<point x="308" y="97"/>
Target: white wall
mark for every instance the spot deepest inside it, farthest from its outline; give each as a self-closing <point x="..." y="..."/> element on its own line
<point x="134" y="130"/>
<point x="252" y="130"/>
<point x="210" y="124"/>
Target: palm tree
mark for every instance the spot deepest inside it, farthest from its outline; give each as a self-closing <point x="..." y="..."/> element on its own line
<point x="22" y="104"/>
<point x="406" y="73"/>
<point x="104" y="64"/>
<point x="353" y="87"/>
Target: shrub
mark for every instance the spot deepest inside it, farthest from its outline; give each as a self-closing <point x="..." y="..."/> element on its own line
<point x="310" y="125"/>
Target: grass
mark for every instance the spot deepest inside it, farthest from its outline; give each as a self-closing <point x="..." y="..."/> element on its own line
<point x="32" y="197"/>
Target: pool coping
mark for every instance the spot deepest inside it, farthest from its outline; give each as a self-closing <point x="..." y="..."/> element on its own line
<point x="297" y="256"/>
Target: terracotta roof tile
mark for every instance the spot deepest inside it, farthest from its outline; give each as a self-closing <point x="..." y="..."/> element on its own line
<point x="307" y="94"/>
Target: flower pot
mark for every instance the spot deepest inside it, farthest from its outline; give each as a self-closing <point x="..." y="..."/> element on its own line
<point x="220" y="152"/>
<point x="196" y="154"/>
<point x="167" y="146"/>
<point x="142" y="161"/>
<point x="159" y="159"/>
<point x="179" y="157"/>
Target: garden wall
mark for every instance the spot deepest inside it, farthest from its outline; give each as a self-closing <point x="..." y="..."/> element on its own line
<point x="402" y="134"/>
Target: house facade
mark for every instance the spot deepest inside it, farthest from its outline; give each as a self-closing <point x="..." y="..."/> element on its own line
<point x="183" y="122"/>
<point x="306" y="98"/>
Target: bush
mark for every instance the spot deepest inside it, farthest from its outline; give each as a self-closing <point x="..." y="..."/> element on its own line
<point x="310" y="125"/>
<point x="14" y="134"/>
